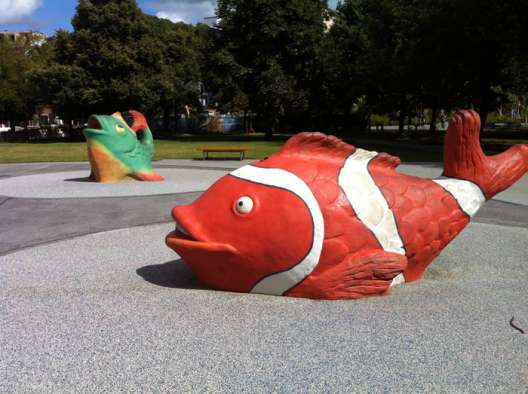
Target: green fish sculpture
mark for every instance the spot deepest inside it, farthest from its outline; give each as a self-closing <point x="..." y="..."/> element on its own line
<point x="118" y="151"/>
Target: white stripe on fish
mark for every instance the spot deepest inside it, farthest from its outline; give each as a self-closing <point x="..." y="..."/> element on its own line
<point x="368" y="201"/>
<point x="468" y="195"/>
<point x="280" y="282"/>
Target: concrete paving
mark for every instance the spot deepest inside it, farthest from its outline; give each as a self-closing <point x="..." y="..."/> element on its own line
<point x="121" y="313"/>
<point x="26" y="222"/>
<point x="17" y="169"/>
<point x="29" y="222"/>
<point x="75" y="184"/>
<point x="87" y="309"/>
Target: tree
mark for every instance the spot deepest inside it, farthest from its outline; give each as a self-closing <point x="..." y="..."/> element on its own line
<point x="17" y="63"/>
<point x="61" y="85"/>
<point x="118" y="58"/>
<point x="343" y="88"/>
<point x="173" y="73"/>
<point x="437" y="54"/>
<point x="104" y="45"/>
<point x="493" y="34"/>
<point x="377" y="49"/>
<point x="272" y="45"/>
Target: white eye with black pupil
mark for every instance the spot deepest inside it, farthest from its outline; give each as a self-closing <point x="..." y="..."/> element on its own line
<point x="244" y="205"/>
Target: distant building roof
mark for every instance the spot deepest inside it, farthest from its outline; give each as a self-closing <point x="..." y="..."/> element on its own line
<point x="24" y="37"/>
<point x="212" y="21"/>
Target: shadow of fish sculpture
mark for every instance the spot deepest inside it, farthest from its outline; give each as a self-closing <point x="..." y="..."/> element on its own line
<point x="118" y="151"/>
<point x="323" y="219"/>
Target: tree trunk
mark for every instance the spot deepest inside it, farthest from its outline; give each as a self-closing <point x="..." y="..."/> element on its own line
<point x="244" y="121"/>
<point x="483" y="112"/>
<point x="485" y="106"/>
<point x="401" y="121"/>
<point x="68" y="128"/>
<point x="176" y="117"/>
<point x="434" y="117"/>
<point x="272" y="127"/>
<point x="166" y="119"/>
<point x="12" y="124"/>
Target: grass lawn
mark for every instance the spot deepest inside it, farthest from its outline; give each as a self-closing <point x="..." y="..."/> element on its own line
<point x="76" y="151"/>
<point x="187" y="149"/>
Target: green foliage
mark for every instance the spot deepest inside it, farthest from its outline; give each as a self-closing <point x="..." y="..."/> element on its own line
<point x="382" y="120"/>
<point x="17" y="62"/>
<point x="276" y="58"/>
<point x="272" y="47"/>
<point x="117" y="58"/>
<point x="437" y="54"/>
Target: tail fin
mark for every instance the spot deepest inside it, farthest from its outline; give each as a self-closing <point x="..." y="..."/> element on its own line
<point x="139" y="122"/>
<point x="464" y="158"/>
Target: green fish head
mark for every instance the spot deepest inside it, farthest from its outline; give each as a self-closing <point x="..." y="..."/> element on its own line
<point x="112" y="132"/>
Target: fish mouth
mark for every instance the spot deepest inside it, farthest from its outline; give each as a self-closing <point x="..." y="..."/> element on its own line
<point x="182" y="241"/>
<point x="94" y="127"/>
<point x="94" y="123"/>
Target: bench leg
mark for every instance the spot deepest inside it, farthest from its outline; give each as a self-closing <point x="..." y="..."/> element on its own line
<point x="241" y="156"/>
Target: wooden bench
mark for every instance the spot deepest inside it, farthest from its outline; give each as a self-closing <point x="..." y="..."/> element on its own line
<point x="223" y="149"/>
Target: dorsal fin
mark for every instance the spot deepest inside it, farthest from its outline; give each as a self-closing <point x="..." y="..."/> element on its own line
<point x="118" y="116"/>
<point x="311" y="144"/>
<point x="385" y="160"/>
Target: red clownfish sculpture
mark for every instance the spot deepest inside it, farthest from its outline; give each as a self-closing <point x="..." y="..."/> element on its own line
<point x="323" y="219"/>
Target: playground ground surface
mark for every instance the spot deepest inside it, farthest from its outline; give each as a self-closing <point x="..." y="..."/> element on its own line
<point x="92" y="300"/>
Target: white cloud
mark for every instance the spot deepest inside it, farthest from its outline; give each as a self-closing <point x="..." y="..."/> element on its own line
<point x="190" y="11"/>
<point x="170" y="16"/>
<point x="16" y="10"/>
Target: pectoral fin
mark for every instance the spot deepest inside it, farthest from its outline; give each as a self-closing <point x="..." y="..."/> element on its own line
<point x="147" y="176"/>
<point x="364" y="274"/>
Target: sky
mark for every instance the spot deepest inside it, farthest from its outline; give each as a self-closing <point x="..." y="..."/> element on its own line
<point x="47" y="16"/>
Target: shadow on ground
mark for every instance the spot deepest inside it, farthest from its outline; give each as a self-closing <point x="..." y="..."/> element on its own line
<point x="232" y="158"/>
<point x="174" y="274"/>
<point x="84" y="180"/>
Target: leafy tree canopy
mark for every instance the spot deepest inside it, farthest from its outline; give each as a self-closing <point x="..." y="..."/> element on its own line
<point x="272" y="47"/>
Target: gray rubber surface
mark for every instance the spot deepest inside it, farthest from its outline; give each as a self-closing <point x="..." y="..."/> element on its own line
<point x="116" y="311"/>
<point x="75" y="184"/>
<point x="26" y="222"/>
<point x="16" y="169"/>
<point x="30" y="222"/>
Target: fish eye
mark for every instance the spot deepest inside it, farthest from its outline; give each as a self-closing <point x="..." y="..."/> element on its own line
<point x="119" y="128"/>
<point x="244" y="205"/>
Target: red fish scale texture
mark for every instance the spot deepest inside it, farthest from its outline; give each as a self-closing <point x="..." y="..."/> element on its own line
<point x="345" y="236"/>
<point x="341" y="223"/>
<point x="427" y="216"/>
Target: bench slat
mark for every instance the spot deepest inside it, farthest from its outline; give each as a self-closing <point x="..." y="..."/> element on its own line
<point x="223" y="149"/>
<point x="226" y="149"/>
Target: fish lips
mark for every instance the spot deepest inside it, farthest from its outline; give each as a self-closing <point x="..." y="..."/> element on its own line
<point x="94" y="126"/>
<point x="209" y="261"/>
<point x="191" y="247"/>
<point x="181" y="244"/>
